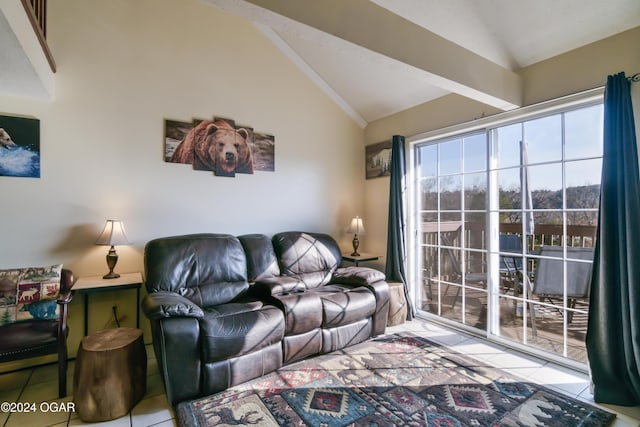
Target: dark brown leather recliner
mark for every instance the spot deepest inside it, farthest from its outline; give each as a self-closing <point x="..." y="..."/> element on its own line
<point x="35" y="338"/>
<point x="209" y="332"/>
<point x="227" y="309"/>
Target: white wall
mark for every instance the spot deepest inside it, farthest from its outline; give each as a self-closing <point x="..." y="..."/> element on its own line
<point x="125" y="66"/>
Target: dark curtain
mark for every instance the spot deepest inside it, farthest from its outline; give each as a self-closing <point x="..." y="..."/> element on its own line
<point x="396" y="247"/>
<point x="613" y="334"/>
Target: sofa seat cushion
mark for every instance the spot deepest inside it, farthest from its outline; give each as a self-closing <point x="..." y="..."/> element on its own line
<point x="235" y="329"/>
<point x="302" y="311"/>
<point x="36" y="334"/>
<point x="344" y="305"/>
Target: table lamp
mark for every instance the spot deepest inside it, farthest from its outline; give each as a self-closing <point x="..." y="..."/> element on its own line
<point x="112" y="235"/>
<point x="356" y="227"/>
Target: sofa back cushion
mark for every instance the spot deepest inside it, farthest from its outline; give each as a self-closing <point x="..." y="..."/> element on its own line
<point x="312" y="257"/>
<point x="261" y="258"/>
<point x="209" y="269"/>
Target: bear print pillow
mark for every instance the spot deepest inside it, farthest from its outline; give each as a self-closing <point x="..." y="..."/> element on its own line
<point x="29" y="293"/>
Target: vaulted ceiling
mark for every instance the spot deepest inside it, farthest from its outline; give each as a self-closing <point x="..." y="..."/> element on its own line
<point x="379" y="57"/>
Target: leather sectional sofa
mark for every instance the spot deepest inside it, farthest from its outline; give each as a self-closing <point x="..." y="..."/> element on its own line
<point x="226" y="309"/>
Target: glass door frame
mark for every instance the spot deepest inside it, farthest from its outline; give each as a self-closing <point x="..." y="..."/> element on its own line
<point x="414" y="213"/>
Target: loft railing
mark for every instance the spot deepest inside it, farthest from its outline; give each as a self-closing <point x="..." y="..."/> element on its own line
<point x="39" y="8"/>
<point x="37" y="13"/>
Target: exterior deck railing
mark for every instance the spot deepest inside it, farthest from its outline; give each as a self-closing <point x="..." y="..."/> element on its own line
<point x="475" y="238"/>
<point x="544" y="234"/>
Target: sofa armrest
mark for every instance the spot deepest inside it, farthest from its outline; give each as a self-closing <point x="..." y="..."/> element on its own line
<point x="163" y="304"/>
<point x="176" y="343"/>
<point x="278" y="285"/>
<point x="373" y="280"/>
<point x="359" y="276"/>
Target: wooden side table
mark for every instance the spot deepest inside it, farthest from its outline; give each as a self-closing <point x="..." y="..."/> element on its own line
<point x="360" y="258"/>
<point x="397" y="304"/>
<point x="93" y="284"/>
<point x="110" y="376"/>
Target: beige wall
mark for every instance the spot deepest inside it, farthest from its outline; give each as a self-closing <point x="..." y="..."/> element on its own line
<point x="579" y="70"/>
<point x="125" y="66"/>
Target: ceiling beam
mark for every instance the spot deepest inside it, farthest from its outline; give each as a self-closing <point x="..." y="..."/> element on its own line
<point x="363" y="23"/>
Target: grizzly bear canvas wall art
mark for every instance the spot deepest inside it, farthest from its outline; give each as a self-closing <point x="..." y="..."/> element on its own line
<point x="216" y="146"/>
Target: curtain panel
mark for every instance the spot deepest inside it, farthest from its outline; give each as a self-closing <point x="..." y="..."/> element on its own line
<point x="613" y="334"/>
<point x="396" y="242"/>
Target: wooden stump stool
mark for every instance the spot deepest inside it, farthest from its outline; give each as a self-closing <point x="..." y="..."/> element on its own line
<point x="397" y="304"/>
<point x="110" y="375"/>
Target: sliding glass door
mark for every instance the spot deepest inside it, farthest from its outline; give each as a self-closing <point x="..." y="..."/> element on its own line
<point x="505" y="219"/>
<point x="452" y="193"/>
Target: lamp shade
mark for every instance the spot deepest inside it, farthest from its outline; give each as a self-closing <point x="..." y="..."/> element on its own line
<point x="113" y="234"/>
<point x="356" y="226"/>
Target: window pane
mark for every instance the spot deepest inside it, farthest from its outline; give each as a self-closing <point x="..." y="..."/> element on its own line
<point x="583" y="183"/>
<point x="428" y="160"/>
<point x="450" y="157"/>
<point x="544" y="139"/>
<point x="476" y="219"/>
<point x="475" y="225"/>
<point x="476" y="308"/>
<point x="430" y="218"/>
<point x="581" y="228"/>
<point x="450" y="222"/>
<point x="475" y="153"/>
<point x="548" y="229"/>
<point x="545" y="184"/>
<point x="450" y="190"/>
<point x="429" y="188"/>
<point x="583" y="132"/>
<point x="508" y="139"/>
<point x="450" y="265"/>
<point x="475" y="191"/>
<point x="509" y="185"/>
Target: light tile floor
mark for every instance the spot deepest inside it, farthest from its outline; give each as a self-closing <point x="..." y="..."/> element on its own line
<point x="40" y="384"/>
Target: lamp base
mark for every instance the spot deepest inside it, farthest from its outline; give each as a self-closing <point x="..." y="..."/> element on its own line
<point x="356" y="243"/>
<point x="111" y="275"/>
<point x="112" y="260"/>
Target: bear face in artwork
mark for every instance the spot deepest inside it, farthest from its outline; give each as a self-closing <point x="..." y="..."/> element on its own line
<point x="228" y="148"/>
<point x="216" y="146"/>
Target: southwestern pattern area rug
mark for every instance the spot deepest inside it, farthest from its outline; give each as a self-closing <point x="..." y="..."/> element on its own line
<point x="395" y="380"/>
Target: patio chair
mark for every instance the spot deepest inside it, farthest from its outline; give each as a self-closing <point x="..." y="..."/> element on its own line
<point x="479" y="278"/>
<point x="510" y="266"/>
<point x="549" y="273"/>
<point x="511" y="243"/>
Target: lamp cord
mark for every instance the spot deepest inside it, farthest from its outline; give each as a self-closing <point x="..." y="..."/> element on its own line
<point x="115" y="315"/>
